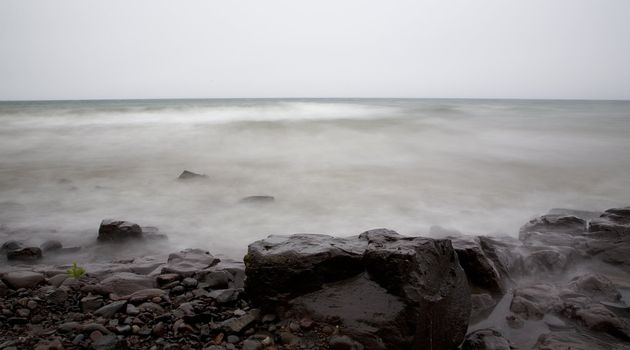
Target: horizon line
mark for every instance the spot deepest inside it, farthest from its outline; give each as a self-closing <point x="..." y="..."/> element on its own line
<point x="316" y="98"/>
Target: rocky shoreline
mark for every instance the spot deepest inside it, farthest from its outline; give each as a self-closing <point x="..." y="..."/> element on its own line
<point x="560" y="285"/>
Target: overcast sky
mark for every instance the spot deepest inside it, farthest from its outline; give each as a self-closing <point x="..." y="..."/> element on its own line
<point x="81" y="49"/>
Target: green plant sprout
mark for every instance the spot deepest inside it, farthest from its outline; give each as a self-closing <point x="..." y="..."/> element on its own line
<point x="75" y="271"/>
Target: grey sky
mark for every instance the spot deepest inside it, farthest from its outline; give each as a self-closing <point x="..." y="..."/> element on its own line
<point x="80" y="49"/>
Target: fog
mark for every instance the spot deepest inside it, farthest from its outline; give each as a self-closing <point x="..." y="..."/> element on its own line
<point x="334" y="166"/>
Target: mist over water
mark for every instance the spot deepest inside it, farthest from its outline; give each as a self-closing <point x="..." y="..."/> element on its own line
<point x="337" y="167"/>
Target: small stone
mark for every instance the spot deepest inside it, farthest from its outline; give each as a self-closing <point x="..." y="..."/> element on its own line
<point x="294" y="327"/>
<point x="189" y="282"/>
<point x="109" y="310"/>
<point x="342" y="342"/>
<point x="23" y="312"/>
<point x="106" y="342"/>
<point x="91" y="303"/>
<point x="268" y="318"/>
<point x="123" y="329"/>
<point x="306" y="323"/>
<point x="57" y="296"/>
<point x="224" y="296"/>
<point x="78" y="339"/>
<point x="67" y="327"/>
<point x="251" y="344"/>
<point x="232" y="339"/>
<point x="31" y="304"/>
<point x="132" y="310"/>
<point x="95" y="335"/>
<point x="180" y="328"/>
<point x="57" y="280"/>
<point x="159" y="329"/>
<point x="167" y="278"/>
<point x="178" y="290"/>
<point x="514" y="321"/>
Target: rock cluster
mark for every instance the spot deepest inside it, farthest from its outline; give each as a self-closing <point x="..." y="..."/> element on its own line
<point x="377" y="290"/>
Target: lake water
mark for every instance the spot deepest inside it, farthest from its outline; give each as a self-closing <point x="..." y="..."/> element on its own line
<point x="334" y="166"/>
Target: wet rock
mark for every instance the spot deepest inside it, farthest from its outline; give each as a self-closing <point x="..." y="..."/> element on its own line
<point x="189" y="282"/>
<point x="480" y="270"/>
<point x="216" y="279"/>
<point x="25" y="254"/>
<point x="57" y="280"/>
<point x="252" y="344"/>
<point x="550" y="260"/>
<point x="596" y="286"/>
<point x="4" y="289"/>
<point x="145" y="294"/>
<point x="51" y="245"/>
<point x="151" y="307"/>
<point x="574" y="341"/>
<point x="22" y="279"/>
<point x="532" y="302"/>
<point x="189" y="175"/>
<point x="555" y="223"/>
<point x="11" y="245"/>
<point x="106" y="342"/>
<point x="109" y="310"/>
<point x="280" y="267"/>
<point x="223" y="296"/>
<point x="238" y="324"/>
<point x="118" y="231"/>
<point x="167" y="278"/>
<point x="180" y="328"/>
<point x="68" y="327"/>
<point x="188" y="262"/>
<point x="126" y="283"/>
<point x="54" y="344"/>
<point x="343" y="342"/>
<point x="410" y="289"/>
<point x="257" y="200"/>
<point x="426" y="275"/>
<point x="91" y="303"/>
<point x="480" y="303"/>
<point x="486" y="339"/>
<point x="94" y="327"/>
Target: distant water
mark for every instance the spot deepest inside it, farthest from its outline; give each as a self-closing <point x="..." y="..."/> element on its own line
<point x="335" y="166"/>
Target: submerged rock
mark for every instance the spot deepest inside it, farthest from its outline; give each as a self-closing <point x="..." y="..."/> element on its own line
<point x="51" y="245"/>
<point x="25" y="254"/>
<point x="118" y="231"/>
<point x="257" y="200"/>
<point x="189" y="175"/>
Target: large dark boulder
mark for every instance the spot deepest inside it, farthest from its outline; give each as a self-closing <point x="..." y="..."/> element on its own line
<point x="481" y="272"/>
<point x="118" y="231"/>
<point x="386" y="290"/>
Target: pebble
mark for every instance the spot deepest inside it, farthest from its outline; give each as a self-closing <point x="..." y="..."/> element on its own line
<point x="189" y="282"/>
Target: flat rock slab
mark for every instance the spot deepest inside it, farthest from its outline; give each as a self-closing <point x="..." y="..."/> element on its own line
<point x="22" y="279"/>
<point x="126" y="283"/>
<point x="188" y="262"/>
